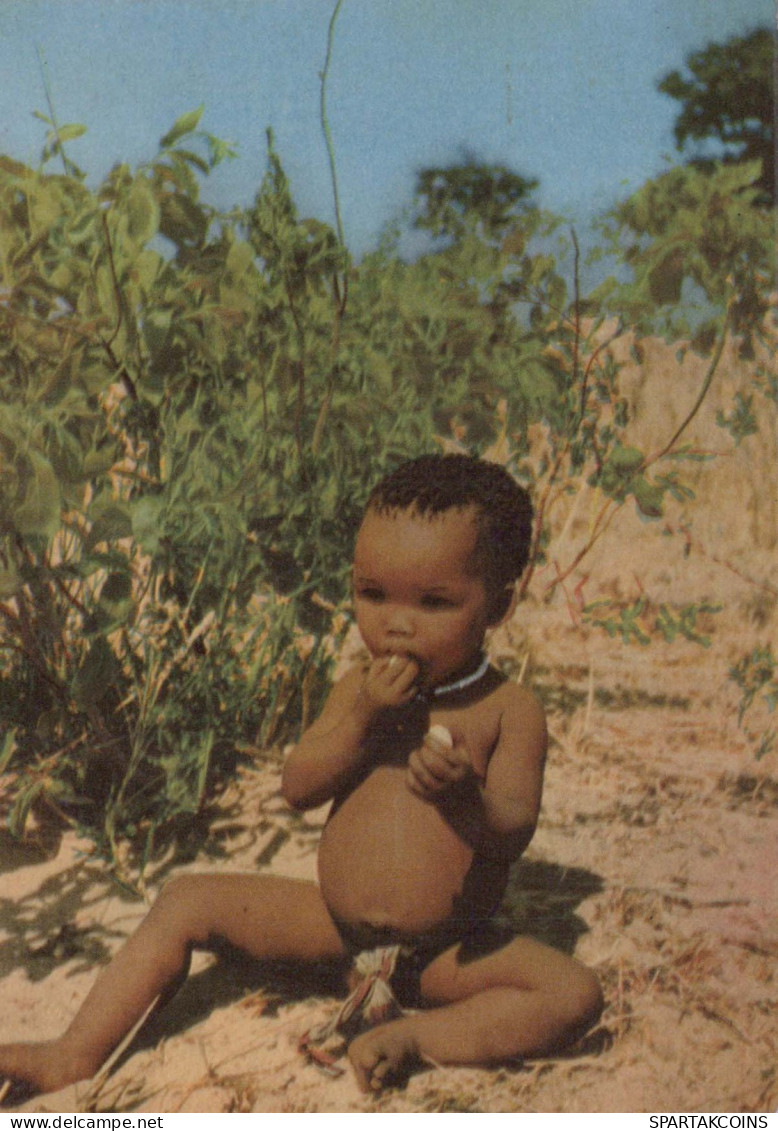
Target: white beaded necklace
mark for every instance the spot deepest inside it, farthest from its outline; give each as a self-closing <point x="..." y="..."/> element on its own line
<point x="466" y="680"/>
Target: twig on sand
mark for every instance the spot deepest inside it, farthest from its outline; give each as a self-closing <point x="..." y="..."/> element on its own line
<point x="589" y="699"/>
<point x="97" y="1082"/>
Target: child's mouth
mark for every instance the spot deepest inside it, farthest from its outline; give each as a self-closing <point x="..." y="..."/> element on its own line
<point x="420" y="675"/>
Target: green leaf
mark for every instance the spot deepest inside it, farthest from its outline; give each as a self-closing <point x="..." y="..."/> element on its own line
<point x="705" y="337"/>
<point x="24" y="802"/>
<point x="142" y="212"/>
<point x="116" y="599"/>
<point x="97" y="672"/>
<point x="625" y="461"/>
<point x="649" y="498"/>
<point x="182" y="220"/>
<point x="666" y="279"/>
<point x="240" y="258"/>
<point x="111" y="521"/>
<point x="83" y="226"/>
<point x="182" y="126"/>
<point x="39" y="512"/>
<point x="10" y="583"/>
<point x="156" y="327"/>
<point x="742" y="421"/>
<point x="7" y="749"/>
<point x="70" y="131"/>
<point x="193" y="159"/>
<point x="99" y="460"/>
<point x="146" y="522"/>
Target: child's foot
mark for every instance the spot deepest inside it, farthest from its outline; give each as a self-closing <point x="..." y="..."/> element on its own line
<point x="38" y="1067"/>
<point x="384" y="1055"/>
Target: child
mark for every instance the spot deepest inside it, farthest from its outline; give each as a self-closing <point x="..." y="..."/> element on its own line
<point x="434" y="763"/>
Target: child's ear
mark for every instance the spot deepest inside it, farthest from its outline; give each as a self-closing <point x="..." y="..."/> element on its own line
<point x="503" y="606"/>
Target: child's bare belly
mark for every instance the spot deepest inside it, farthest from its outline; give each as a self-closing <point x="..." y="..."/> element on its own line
<point x="389" y="858"/>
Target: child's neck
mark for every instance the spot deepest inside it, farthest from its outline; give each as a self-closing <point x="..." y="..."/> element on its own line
<point x="477" y="673"/>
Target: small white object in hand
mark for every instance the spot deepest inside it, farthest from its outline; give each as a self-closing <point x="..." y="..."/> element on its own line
<point x="442" y="734"/>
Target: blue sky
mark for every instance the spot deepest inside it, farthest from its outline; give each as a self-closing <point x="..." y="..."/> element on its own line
<point x="562" y="90"/>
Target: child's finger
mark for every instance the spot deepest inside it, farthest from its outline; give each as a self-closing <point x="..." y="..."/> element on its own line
<point x="362" y="1073"/>
<point x="378" y="1075"/>
<point x="435" y="762"/>
<point x="422" y="779"/>
<point x="415" y="783"/>
<point x="401" y="674"/>
<point x="448" y="753"/>
<point x="369" y="1067"/>
<point x="440" y="757"/>
<point x="402" y="669"/>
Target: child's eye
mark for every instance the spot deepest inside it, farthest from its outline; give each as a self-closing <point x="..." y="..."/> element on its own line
<point x="433" y="601"/>
<point x="369" y="593"/>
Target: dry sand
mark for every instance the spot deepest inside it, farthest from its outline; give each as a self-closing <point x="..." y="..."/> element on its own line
<point x="656" y="860"/>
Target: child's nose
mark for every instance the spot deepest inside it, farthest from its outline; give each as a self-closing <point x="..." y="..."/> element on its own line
<point x="399" y="621"/>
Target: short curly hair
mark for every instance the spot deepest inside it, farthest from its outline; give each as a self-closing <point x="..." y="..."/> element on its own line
<point x="431" y="484"/>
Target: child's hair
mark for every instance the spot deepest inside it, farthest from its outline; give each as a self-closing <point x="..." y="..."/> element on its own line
<point x="432" y="484"/>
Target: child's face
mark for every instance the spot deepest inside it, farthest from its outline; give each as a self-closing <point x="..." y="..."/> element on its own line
<point x="415" y="593"/>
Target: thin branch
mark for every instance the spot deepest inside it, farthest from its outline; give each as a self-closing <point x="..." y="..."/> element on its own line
<point x="577" y="317"/>
<point x="300" y="401"/>
<point x="117" y="294"/>
<point x="325" y="125"/>
<point x="714" y="364"/>
<point x="50" y="104"/>
<point x="124" y="376"/>
<point x="691" y="544"/>
<point x="601" y="524"/>
<point x="340" y="289"/>
<point x="539" y="520"/>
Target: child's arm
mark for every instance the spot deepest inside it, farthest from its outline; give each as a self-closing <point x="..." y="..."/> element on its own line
<point x="333" y="746"/>
<point x="498" y="815"/>
<point x="510" y="797"/>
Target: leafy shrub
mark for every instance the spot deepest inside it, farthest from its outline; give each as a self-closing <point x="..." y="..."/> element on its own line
<point x="184" y="462"/>
<point x="193" y="407"/>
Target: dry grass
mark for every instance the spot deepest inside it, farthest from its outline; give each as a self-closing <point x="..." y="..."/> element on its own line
<point x="655" y="860"/>
<point x="652" y="859"/>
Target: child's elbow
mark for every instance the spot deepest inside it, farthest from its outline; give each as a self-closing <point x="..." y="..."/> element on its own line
<point x="298" y="791"/>
<point x="515" y="842"/>
<point x="293" y="789"/>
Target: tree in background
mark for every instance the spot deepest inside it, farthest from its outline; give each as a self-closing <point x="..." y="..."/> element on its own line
<point x="727" y="96"/>
<point x="452" y="198"/>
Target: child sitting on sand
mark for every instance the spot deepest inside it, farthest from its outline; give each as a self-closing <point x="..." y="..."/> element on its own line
<point x="434" y="763"/>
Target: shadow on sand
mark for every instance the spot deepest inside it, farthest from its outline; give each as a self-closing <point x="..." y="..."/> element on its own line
<point x="542" y="898"/>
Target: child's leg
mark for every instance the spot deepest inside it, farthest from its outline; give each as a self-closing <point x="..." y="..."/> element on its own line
<point x="266" y="916"/>
<point x="524" y="999"/>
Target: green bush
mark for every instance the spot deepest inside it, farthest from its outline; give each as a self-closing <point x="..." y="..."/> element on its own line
<point x="193" y="407"/>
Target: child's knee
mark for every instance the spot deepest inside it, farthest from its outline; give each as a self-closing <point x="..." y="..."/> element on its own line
<point x="585" y="999"/>
<point x="176" y="892"/>
<point x="180" y="906"/>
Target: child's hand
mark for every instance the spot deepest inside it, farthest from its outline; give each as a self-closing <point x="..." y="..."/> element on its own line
<point x="437" y="764"/>
<point x="390" y="681"/>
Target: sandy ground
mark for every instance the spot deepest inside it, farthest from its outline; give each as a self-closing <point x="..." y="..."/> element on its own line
<point x="655" y="861"/>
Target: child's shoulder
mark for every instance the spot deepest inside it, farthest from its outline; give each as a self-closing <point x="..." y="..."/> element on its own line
<point x="518" y="705"/>
<point x="518" y="697"/>
<point x="504" y="705"/>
